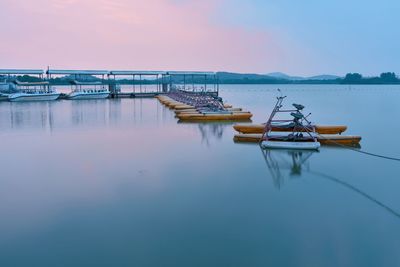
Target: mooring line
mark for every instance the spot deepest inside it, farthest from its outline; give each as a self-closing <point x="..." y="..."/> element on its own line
<point x="359" y="150"/>
<point x="355" y="189"/>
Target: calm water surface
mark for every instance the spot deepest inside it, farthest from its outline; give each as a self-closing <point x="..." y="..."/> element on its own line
<point x="121" y="183"/>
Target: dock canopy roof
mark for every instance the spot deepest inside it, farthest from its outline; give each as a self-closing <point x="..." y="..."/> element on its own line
<point x="131" y="72"/>
<point x="74" y="82"/>
<point x="191" y="73"/>
<point x="77" y="72"/>
<point x="20" y="72"/>
<point x="30" y="83"/>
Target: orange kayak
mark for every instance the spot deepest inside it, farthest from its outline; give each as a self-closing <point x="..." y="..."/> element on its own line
<point x="349" y="140"/>
<point x="182" y="107"/>
<point x="259" y="128"/>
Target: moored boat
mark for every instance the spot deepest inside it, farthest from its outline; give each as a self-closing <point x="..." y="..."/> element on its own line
<point x="88" y="90"/>
<point x="36" y="91"/>
<point x="303" y="135"/>
<point x="194" y="110"/>
<point x="216" y="116"/>
<point x="6" y="89"/>
<point x="259" y="128"/>
<point x="347" y="140"/>
<point x="295" y="133"/>
<point x="4" y="97"/>
<point x="183" y="107"/>
<point x="291" y="145"/>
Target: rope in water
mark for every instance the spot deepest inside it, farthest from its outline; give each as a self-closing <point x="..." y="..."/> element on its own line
<point x="358" y="150"/>
<point x="355" y="189"/>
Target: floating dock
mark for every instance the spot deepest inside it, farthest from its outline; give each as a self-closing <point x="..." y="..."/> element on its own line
<point x="202" y="107"/>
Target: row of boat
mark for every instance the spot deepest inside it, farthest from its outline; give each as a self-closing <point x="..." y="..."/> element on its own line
<point x="188" y="109"/>
<point x="295" y="133"/>
<point x="43" y="91"/>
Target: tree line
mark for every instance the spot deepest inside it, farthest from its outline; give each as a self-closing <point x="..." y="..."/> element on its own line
<point x="350" y="78"/>
<point x="384" y="78"/>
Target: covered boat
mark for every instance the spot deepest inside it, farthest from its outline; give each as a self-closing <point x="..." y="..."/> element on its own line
<point x="33" y="91"/>
<point x="88" y="90"/>
<point x="6" y="89"/>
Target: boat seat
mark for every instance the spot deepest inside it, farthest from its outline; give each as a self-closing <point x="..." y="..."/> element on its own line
<point x="297" y="115"/>
<point x="298" y="106"/>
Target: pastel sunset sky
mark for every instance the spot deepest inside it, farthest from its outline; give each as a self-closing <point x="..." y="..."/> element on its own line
<point x="307" y="37"/>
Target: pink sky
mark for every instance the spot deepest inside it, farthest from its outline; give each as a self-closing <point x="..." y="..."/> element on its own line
<point x="129" y="34"/>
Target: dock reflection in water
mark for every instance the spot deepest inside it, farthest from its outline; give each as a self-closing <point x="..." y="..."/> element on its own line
<point x="210" y="131"/>
<point x="14" y="115"/>
<point x="51" y="116"/>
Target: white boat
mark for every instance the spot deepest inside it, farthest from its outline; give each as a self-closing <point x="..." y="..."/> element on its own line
<point x="4" y="97"/>
<point x="92" y="90"/>
<point x="5" y="90"/>
<point x="33" y="96"/>
<point x="37" y="91"/>
<point x="291" y="145"/>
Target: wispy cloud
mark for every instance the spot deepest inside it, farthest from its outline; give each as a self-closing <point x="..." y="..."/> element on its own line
<point x="151" y="34"/>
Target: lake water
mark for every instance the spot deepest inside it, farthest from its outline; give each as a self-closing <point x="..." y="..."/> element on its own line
<point x="121" y="183"/>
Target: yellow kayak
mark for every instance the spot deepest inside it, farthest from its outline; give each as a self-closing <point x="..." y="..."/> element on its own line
<point x="259" y="128"/>
<point x="182" y="107"/>
<point x="193" y="110"/>
<point x="173" y="104"/>
<point x="215" y="116"/>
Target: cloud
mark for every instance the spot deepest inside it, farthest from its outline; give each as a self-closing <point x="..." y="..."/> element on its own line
<point x="129" y="34"/>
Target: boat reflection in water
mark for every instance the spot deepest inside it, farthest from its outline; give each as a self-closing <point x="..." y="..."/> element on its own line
<point x="282" y="163"/>
<point x="60" y="115"/>
<point x="289" y="163"/>
<point x="210" y="131"/>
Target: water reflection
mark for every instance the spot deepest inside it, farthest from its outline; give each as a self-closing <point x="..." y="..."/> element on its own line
<point x="210" y="131"/>
<point x="50" y="116"/>
<point x="280" y="162"/>
<point x="27" y="115"/>
<point x="287" y="163"/>
<point x="90" y="112"/>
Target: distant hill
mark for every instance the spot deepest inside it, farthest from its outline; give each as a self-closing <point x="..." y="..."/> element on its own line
<point x="249" y="76"/>
<point x="272" y="78"/>
<point x="239" y="78"/>
<point x="283" y="76"/>
<point x="280" y="75"/>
